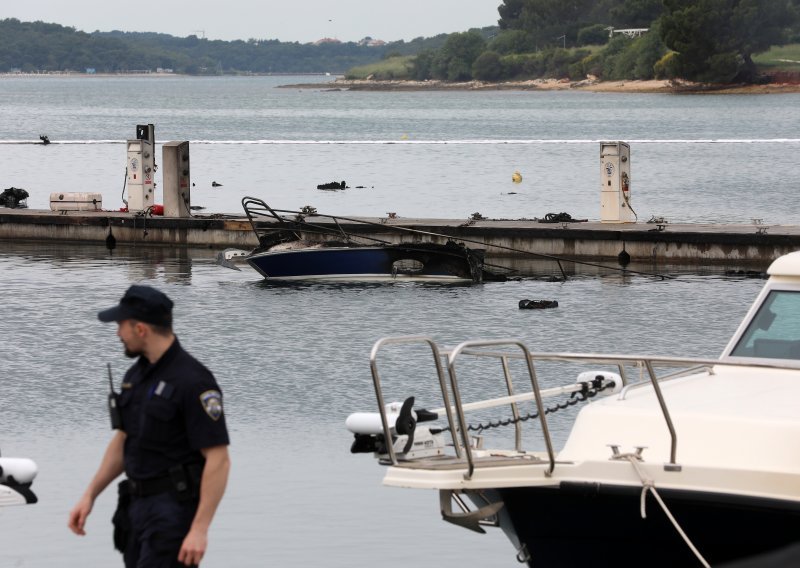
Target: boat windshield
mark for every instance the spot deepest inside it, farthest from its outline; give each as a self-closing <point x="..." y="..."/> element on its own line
<point x="774" y="332"/>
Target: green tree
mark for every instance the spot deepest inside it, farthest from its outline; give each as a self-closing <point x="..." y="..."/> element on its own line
<point x="716" y="39"/>
<point x="510" y="14"/>
<point x="488" y="67"/>
<point x="512" y="41"/>
<point x="453" y="62"/>
<point x="554" y="23"/>
<point x="636" y="13"/>
<point x="626" y="58"/>
<point x="596" y="34"/>
<point x="422" y="64"/>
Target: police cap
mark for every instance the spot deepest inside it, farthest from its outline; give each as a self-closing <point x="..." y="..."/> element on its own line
<point x="141" y="303"/>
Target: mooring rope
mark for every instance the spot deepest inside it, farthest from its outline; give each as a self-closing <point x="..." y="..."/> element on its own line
<point x="649" y="485"/>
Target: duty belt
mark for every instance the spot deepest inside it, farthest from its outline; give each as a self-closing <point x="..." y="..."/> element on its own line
<point x="147" y="487"/>
<point x="183" y="480"/>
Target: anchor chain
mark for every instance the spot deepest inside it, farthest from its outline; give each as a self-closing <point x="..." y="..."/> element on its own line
<point x="589" y="390"/>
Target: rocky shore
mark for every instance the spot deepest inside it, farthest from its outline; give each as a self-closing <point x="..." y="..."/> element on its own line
<point x="652" y="86"/>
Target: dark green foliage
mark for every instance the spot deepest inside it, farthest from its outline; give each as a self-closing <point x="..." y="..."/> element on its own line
<point x="716" y="39"/>
<point x="453" y="62"/>
<point x="488" y="67"/>
<point x="557" y="23"/>
<point x="553" y="63"/>
<point x="596" y="34"/>
<point x="711" y="40"/>
<point x="510" y="13"/>
<point x="626" y="58"/>
<point x="421" y="67"/>
<point x="636" y="13"/>
<point x="551" y="23"/>
<point x="38" y="46"/>
<point x="523" y="65"/>
<point x="512" y="41"/>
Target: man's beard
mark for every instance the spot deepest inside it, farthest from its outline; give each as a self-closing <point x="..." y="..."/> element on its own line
<point x="132" y="354"/>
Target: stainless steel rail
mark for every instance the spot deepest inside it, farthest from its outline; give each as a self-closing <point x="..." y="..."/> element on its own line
<point x="437" y="359"/>
<point x="451" y="367"/>
<point x="512" y="349"/>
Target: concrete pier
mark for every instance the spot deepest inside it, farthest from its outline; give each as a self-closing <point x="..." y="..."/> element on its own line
<point x="514" y="242"/>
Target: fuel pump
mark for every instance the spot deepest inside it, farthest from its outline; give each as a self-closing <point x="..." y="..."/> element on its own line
<point x="141" y="169"/>
<point x="615" y="181"/>
<point x="177" y="198"/>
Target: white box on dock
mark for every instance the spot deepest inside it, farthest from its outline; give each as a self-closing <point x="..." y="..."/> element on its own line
<point x="79" y="201"/>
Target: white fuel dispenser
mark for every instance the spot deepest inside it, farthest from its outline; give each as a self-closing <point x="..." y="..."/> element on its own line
<point x="615" y="180"/>
<point x="141" y="168"/>
<point x="177" y="177"/>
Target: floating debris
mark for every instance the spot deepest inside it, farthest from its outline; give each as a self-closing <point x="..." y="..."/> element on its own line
<point x="561" y="218"/>
<point x="537" y="304"/>
<point x="333" y="185"/>
<point x="14" y="197"/>
<point x="747" y="273"/>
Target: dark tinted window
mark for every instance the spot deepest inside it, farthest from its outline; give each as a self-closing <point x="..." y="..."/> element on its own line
<point x="774" y="333"/>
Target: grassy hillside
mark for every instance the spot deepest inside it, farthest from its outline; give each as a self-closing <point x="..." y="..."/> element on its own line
<point x="781" y="58"/>
<point x="777" y="61"/>
<point x="397" y="67"/>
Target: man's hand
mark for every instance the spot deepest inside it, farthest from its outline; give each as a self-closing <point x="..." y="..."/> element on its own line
<point x="212" y="486"/>
<point x="194" y="547"/>
<point x="78" y="515"/>
<point x="110" y="468"/>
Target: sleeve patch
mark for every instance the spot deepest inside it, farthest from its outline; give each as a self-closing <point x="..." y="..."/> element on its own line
<point x="212" y="404"/>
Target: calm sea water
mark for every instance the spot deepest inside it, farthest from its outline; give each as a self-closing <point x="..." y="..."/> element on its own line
<point x="293" y="360"/>
<point x="293" y="363"/>
<point x="709" y="158"/>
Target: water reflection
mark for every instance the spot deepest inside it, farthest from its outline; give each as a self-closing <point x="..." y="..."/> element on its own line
<point x="293" y="362"/>
<point x="141" y="262"/>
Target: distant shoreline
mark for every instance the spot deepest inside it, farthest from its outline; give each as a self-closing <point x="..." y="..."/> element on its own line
<point x="153" y="74"/>
<point x="651" y="86"/>
<point x="338" y="83"/>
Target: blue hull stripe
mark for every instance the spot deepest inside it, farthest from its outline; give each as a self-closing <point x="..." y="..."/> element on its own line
<point x="369" y="262"/>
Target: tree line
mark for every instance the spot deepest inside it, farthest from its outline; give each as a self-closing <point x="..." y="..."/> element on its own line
<point x="702" y="40"/>
<point x="48" y="47"/>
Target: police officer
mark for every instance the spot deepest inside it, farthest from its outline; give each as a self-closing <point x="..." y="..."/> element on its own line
<point x="172" y="442"/>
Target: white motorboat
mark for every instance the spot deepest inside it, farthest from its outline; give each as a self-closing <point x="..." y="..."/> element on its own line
<point x="676" y="462"/>
<point x="16" y="478"/>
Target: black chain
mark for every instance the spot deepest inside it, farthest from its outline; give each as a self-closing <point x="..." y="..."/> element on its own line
<point x="589" y="390"/>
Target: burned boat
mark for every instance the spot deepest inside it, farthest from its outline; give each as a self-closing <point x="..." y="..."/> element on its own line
<point x="304" y="245"/>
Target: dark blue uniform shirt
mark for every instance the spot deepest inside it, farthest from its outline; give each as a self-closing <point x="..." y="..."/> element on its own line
<point x="170" y="411"/>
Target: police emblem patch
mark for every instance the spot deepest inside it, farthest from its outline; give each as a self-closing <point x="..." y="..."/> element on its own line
<point x="212" y="403"/>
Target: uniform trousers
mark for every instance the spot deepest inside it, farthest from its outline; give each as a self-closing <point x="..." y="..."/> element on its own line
<point x="159" y="523"/>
